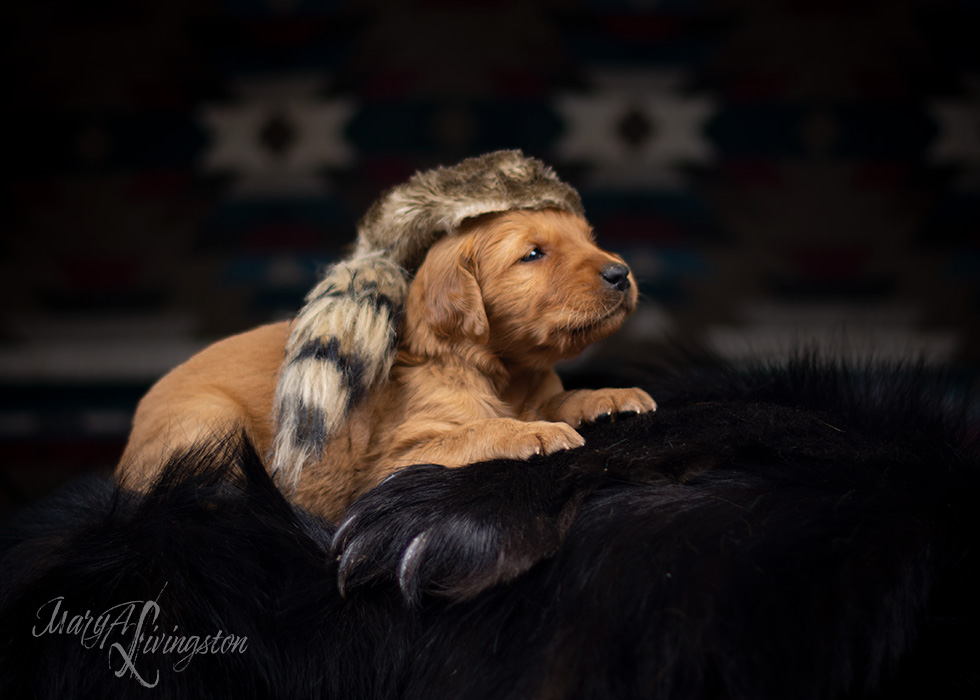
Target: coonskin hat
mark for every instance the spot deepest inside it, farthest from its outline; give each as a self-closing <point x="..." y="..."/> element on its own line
<point x="343" y="340"/>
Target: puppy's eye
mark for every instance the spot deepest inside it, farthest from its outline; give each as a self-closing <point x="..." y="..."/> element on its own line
<point x="533" y="255"/>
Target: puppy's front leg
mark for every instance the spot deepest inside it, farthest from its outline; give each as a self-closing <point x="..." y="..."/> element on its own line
<point x="585" y="405"/>
<point x="483" y="439"/>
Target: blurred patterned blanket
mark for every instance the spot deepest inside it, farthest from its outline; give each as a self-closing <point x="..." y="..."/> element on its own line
<point x="776" y="173"/>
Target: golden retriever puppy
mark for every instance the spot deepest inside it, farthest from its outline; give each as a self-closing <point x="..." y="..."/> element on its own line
<point x="488" y="314"/>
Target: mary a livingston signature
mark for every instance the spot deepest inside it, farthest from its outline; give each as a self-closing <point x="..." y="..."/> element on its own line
<point x="132" y="621"/>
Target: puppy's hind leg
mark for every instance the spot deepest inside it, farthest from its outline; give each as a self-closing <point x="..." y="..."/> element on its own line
<point x="226" y="389"/>
<point x="162" y="429"/>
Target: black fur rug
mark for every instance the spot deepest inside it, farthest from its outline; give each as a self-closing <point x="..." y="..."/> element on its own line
<point x="805" y="532"/>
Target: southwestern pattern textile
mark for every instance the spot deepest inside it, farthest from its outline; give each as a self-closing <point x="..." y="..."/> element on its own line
<point x="775" y="173"/>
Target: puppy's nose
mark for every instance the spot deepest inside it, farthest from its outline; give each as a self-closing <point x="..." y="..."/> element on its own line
<point x="617" y="276"/>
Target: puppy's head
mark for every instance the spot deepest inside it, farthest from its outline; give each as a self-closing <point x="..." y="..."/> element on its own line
<point x="530" y="287"/>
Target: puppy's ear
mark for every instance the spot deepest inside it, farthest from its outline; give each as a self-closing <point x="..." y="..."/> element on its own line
<point x="447" y="299"/>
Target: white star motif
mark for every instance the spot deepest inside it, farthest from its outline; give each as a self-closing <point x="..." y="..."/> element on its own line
<point x="594" y="124"/>
<point x="959" y="131"/>
<point x="315" y="136"/>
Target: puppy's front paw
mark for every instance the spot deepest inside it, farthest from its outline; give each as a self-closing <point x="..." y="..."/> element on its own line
<point x="457" y="532"/>
<point x="538" y="438"/>
<point x="588" y="405"/>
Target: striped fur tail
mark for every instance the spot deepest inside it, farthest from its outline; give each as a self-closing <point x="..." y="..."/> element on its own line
<point x="342" y="343"/>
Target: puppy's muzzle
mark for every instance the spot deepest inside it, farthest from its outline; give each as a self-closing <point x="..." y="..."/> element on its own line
<point x="617" y="276"/>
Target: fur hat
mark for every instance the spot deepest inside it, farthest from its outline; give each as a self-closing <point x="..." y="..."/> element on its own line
<point x="343" y="340"/>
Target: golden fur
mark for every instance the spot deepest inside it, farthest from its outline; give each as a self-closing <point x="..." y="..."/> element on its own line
<point x="488" y="314"/>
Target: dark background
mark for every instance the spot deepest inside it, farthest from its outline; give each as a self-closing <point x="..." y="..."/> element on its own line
<point x="774" y="171"/>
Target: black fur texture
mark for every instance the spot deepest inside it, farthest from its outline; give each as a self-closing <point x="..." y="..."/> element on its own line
<point x="804" y="532"/>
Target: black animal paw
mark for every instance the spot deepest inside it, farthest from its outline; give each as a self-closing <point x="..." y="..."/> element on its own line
<point x="457" y="532"/>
